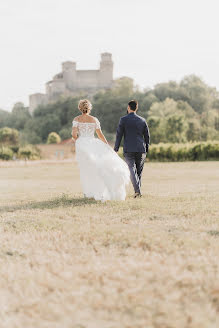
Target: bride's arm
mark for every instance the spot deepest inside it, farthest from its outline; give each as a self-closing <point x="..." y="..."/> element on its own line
<point x="74" y="133"/>
<point x="101" y="135"/>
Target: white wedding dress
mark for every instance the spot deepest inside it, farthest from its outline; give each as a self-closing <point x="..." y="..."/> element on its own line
<point x="104" y="175"/>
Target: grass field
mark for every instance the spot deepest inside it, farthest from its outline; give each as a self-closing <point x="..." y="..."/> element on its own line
<point x="67" y="262"/>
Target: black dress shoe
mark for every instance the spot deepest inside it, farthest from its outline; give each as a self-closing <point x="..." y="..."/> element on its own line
<point x="137" y="195"/>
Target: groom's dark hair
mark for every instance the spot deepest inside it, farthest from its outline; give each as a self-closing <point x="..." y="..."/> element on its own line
<point x="133" y="104"/>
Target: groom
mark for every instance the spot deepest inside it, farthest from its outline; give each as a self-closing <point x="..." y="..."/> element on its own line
<point x="136" y="143"/>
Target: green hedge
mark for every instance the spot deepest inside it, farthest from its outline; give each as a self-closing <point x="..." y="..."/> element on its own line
<point x="184" y="152"/>
<point x="26" y="152"/>
<point x="167" y="152"/>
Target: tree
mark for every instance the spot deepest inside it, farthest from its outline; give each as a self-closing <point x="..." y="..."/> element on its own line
<point x="124" y="86"/>
<point x="164" y="108"/>
<point x="172" y="122"/>
<point x="198" y="93"/>
<point x="193" y="132"/>
<point x="157" y="131"/>
<point x="147" y="101"/>
<point x="53" y="138"/>
<point x="109" y="109"/>
<point x="65" y="133"/>
<point x="171" y="90"/>
<point x="175" y="128"/>
<point x="19" y="116"/>
<point x="18" y="107"/>
<point x="46" y="124"/>
<point x="4" y="118"/>
<point x="29" y="137"/>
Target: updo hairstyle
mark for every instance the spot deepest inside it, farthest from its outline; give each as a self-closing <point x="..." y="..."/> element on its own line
<point x="84" y="106"/>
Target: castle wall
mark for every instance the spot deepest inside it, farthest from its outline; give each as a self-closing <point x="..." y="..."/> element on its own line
<point x="87" y="79"/>
<point x="58" y="86"/>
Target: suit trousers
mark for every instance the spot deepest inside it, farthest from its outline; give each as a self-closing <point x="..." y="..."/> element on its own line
<point x="135" y="161"/>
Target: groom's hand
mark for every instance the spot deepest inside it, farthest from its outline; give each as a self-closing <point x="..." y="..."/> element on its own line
<point x="147" y="148"/>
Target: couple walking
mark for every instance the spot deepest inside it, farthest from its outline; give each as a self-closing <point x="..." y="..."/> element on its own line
<point x="104" y="175"/>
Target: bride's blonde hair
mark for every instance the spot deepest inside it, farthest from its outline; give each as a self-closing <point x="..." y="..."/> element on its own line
<point x="84" y="106"/>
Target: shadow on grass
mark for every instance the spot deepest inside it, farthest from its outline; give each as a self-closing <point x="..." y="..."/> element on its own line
<point x="63" y="201"/>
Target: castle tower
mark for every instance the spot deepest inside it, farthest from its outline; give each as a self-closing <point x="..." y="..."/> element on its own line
<point x="106" y="70"/>
<point x="69" y="74"/>
<point x="71" y="82"/>
<point x="36" y="100"/>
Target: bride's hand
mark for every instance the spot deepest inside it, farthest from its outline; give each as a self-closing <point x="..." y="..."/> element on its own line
<point x="101" y="135"/>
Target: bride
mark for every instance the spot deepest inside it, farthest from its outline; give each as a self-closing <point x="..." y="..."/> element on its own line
<point x="104" y="175"/>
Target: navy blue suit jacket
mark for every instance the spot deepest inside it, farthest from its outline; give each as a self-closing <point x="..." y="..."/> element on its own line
<point x="136" y="134"/>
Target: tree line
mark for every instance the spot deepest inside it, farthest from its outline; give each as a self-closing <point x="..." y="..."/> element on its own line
<point x="176" y="112"/>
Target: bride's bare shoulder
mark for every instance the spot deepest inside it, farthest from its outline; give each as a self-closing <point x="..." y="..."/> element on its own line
<point x="91" y="119"/>
<point x="77" y="118"/>
<point x="86" y="119"/>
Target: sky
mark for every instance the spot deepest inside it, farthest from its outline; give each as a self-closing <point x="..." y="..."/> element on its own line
<point x="151" y="41"/>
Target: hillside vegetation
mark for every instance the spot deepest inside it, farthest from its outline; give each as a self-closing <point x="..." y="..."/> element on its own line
<point x="187" y="111"/>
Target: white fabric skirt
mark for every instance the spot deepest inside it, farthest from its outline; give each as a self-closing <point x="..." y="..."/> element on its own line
<point x="104" y="175"/>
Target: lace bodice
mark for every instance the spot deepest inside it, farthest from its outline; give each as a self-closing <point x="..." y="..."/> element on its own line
<point x="86" y="129"/>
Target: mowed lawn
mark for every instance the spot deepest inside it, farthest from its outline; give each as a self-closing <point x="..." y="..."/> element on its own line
<point x="67" y="262"/>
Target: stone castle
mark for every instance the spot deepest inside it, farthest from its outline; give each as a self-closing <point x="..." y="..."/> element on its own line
<point x="71" y="82"/>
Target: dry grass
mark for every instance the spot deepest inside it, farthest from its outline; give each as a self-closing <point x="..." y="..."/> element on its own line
<point x="66" y="262"/>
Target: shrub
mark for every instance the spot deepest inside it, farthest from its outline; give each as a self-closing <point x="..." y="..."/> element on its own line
<point x="184" y="152"/>
<point x="53" y="138"/>
<point x="9" y="136"/>
<point x="14" y="149"/>
<point x="6" y="153"/>
<point x="29" y="152"/>
<point x="211" y="150"/>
